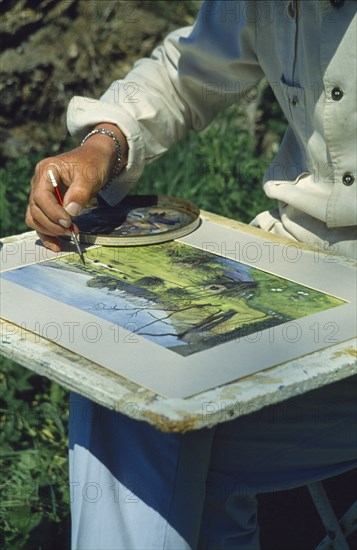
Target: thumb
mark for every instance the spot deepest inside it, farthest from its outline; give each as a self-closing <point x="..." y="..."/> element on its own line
<point x="76" y="197"/>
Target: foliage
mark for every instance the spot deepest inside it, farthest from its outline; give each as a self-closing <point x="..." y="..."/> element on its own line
<point x="33" y="455"/>
<point x="14" y="185"/>
<point x="175" y="12"/>
<point x="217" y="169"/>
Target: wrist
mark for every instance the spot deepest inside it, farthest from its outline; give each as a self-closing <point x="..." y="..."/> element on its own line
<point x="110" y="140"/>
<point x="121" y="139"/>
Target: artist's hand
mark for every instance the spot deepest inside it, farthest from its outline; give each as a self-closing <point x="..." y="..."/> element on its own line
<point x="80" y="174"/>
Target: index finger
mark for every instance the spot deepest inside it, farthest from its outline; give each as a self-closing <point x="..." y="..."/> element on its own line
<point x="46" y="201"/>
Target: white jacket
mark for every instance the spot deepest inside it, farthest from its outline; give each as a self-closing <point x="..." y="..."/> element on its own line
<point x="307" y="52"/>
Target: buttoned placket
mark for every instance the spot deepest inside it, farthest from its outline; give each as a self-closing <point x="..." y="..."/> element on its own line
<point x="292" y="14"/>
<point x="337" y="94"/>
<point x="335" y="97"/>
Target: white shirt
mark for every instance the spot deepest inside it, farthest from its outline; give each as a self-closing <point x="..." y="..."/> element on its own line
<point x="307" y="52"/>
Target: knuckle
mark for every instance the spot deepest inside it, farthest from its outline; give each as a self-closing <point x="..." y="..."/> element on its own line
<point x="43" y="166"/>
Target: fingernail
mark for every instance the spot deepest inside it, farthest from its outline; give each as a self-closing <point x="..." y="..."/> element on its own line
<point x="52" y="247"/>
<point x="73" y="209"/>
<point x="64" y="223"/>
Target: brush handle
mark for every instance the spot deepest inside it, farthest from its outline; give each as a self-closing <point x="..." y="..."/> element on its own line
<point x="58" y="194"/>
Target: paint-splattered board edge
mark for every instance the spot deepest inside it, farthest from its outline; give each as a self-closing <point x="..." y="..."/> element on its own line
<point x="178" y="415"/>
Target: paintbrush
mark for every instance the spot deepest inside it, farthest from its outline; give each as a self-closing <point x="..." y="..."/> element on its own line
<point x="58" y="194"/>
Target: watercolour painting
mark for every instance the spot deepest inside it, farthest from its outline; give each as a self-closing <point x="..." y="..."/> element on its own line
<point x="180" y="297"/>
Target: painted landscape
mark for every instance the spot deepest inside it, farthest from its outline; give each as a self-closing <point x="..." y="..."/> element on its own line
<point x="177" y="296"/>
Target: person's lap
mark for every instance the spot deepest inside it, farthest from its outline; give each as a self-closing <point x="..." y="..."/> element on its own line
<point x="135" y="487"/>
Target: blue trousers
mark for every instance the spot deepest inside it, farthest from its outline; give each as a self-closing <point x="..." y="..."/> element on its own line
<point x="136" y="488"/>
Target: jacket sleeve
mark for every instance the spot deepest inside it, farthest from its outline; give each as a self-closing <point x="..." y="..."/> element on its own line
<point x="196" y="72"/>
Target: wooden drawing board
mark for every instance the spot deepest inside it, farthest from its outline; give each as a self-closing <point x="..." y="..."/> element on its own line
<point x="228" y="303"/>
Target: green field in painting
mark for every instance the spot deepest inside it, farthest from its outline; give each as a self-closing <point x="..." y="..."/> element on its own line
<point x="207" y="298"/>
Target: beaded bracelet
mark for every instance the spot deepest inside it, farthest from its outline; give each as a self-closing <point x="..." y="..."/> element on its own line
<point x="116" y="169"/>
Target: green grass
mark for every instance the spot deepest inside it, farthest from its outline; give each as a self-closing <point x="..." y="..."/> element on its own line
<point x="33" y="426"/>
<point x="217" y="169"/>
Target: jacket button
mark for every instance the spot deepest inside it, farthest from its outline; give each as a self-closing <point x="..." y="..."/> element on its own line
<point x="348" y="178"/>
<point x="291" y="10"/>
<point x="337" y="3"/>
<point x="337" y="93"/>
